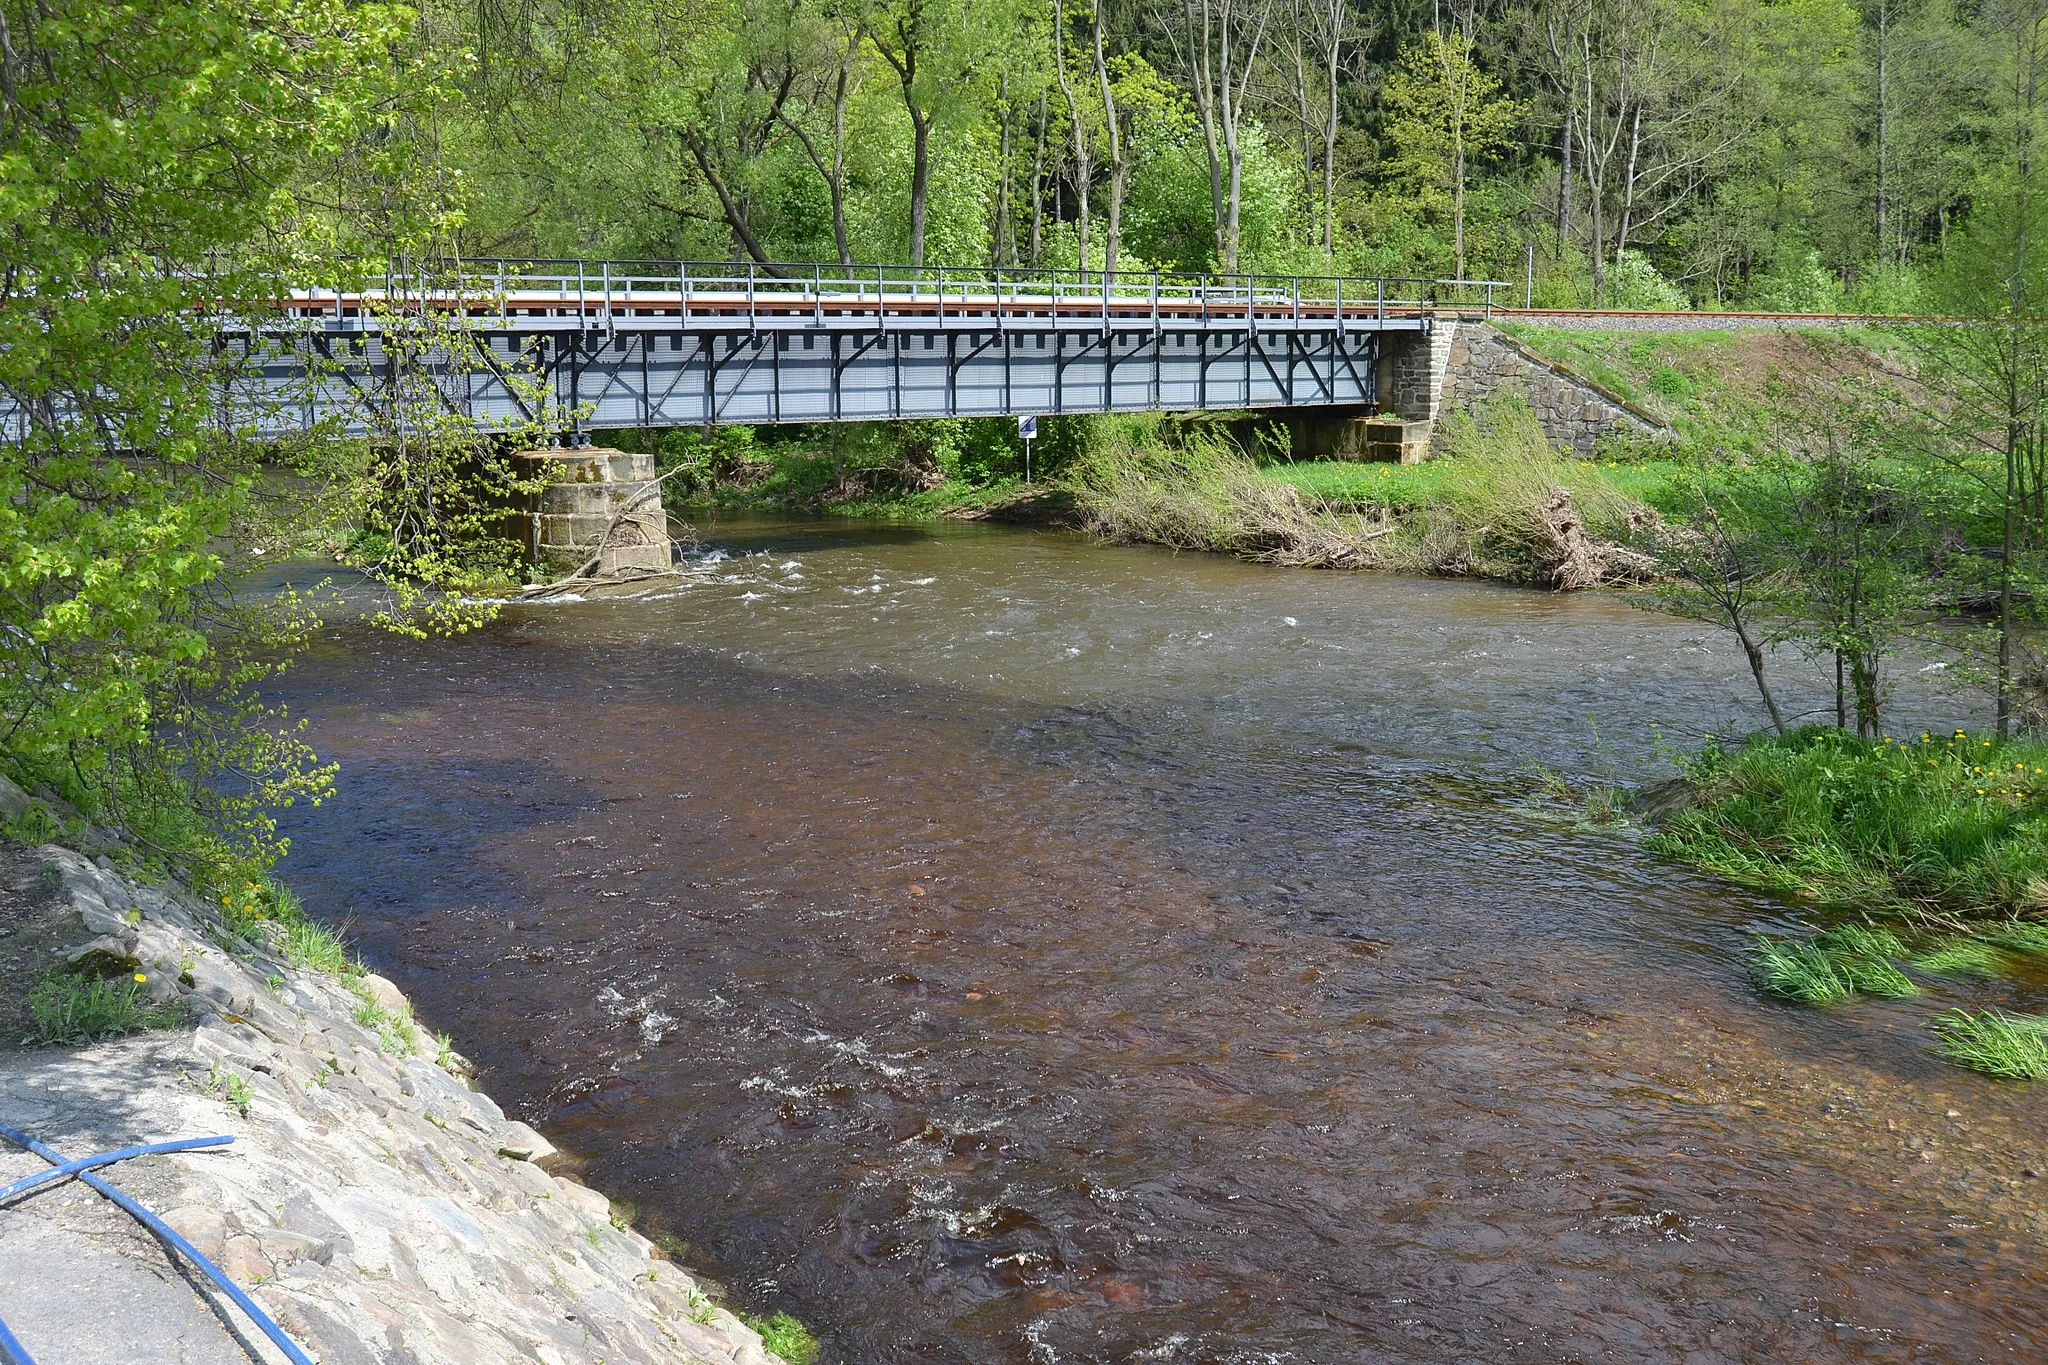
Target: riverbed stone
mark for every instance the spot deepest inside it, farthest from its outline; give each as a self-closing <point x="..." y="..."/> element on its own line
<point x="521" y="1143"/>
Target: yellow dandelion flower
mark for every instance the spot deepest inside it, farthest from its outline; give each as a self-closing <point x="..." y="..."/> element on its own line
<point x="140" y="976"/>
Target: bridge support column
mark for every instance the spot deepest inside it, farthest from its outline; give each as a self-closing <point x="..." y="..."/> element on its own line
<point x="595" y="502"/>
<point x="1355" y="434"/>
<point x="1410" y="384"/>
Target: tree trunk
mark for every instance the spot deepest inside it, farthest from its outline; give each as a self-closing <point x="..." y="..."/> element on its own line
<point x="1038" y="189"/>
<point x="1884" y="53"/>
<point x="1863" y="676"/>
<point x="1754" y="652"/>
<point x="1200" y="42"/>
<point x="1564" y="185"/>
<point x="1003" y="245"/>
<point x="1082" y="169"/>
<point x="1333" y="57"/>
<point x="1119" y="166"/>
<point x="920" y="180"/>
<point x="1628" y="191"/>
<point x="735" y="211"/>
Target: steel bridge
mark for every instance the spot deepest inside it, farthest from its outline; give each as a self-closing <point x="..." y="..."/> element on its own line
<point x="575" y="347"/>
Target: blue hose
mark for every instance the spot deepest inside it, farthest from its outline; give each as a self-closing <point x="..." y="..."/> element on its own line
<point x="169" y="1234"/>
<point x="17" y="1354"/>
<point x="86" y="1163"/>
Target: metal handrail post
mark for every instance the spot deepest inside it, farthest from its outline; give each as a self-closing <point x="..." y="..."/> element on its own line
<point x="942" y="295"/>
<point x="608" y="296"/>
<point x="753" y="323"/>
<point x="579" y="293"/>
<point x="1340" y="306"/>
<point x="683" y="292"/>
<point x="818" y="295"/>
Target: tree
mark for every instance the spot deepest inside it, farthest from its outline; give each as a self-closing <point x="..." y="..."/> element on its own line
<point x="157" y="160"/>
<point x="1446" y="117"/>
<point x="1990" y="367"/>
<point x="1218" y="44"/>
<point x="1721" y="558"/>
<point x="832" y="78"/>
<point x="1652" y="91"/>
<point x="1849" y="535"/>
<point x="1080" y="149"/>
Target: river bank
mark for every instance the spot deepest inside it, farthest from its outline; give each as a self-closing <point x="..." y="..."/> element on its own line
<point x="1500" y="502"/>
<point x="373" y="1202"/>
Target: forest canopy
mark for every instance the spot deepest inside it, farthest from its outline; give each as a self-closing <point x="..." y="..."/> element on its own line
<point x="1804" y="154"/>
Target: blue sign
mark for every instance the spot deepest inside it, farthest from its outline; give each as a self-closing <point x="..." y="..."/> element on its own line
<point x="1027" y="427"/>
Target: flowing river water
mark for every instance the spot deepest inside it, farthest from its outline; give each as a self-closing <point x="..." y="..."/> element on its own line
<point x="997" y="947"/>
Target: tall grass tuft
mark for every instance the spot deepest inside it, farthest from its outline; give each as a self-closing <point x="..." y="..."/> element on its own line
<point x="2012" y="1046"/>
<point x="1202" y="493"/>
<point x="1961" y="957"/>
<point x="1954" y="824"/>
<point x="1862" y="957"/>
<point x="1798" y="971"/>
<point x="71" y="1007"/>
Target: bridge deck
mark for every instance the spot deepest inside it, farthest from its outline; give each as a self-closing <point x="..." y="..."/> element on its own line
<point x="570" y="346"/>
<point x="525" y="311"/>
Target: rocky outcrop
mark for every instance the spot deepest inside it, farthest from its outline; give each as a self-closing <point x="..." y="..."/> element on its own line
<point x="378" y="1206"/>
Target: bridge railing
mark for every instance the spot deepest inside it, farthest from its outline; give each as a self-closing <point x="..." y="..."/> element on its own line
<point x="601" y="291"/>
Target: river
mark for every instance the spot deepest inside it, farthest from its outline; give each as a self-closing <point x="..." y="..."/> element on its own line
<point x="997" y="947"/>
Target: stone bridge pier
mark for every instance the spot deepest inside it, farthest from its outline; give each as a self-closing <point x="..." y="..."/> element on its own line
<point x="595" y="502"/>
<point x="1411" y="373"/>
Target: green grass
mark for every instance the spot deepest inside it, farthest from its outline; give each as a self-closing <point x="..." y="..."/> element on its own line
<point x="396" y="1032"/>
<point x="2011" y="1046"/>
<point x="1838" y="965"/>
<point x="786" y="1338"/>
<point x="1864" y="956"/>
<point x="1961" y="957"/>
<point x="70" y="1007"/>
<point x="1797" y="971"/>
<point x="1951" y="825"/>
<point x="267" y="913"/>
<point x="1437" y="482"/>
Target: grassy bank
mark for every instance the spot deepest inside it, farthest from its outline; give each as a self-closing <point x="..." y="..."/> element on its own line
<point x="1499" y="502"/>
<point x="1930" y="852"/>
<point x="1718" y="389"/>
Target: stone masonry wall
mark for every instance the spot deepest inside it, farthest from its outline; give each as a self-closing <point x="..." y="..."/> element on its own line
<point x="1413" y="379"/>
<point x="1483" y="362"/>
<point x="382" y="1210"/>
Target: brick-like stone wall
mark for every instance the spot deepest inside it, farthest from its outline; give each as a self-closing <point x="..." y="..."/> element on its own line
<point x="1412" y="375"/>
<point x="1482" y="362"/>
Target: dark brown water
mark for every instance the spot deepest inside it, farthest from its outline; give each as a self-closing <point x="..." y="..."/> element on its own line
<point x="998" y="948"/>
